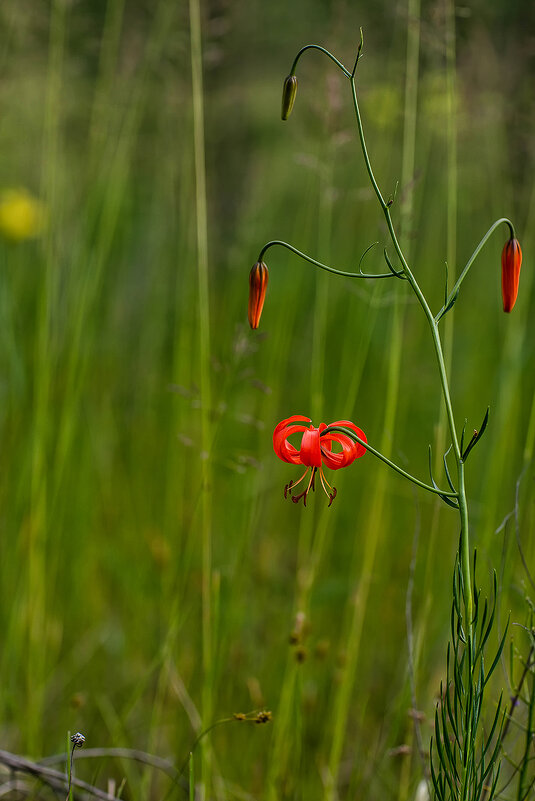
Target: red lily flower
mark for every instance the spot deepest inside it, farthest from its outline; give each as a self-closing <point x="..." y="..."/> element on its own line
<point x="511" y="263"/>
<point x="316" y="449"/>
<point x="258" y="281"/>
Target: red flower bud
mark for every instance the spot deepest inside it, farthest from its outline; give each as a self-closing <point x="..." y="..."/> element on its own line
<point x="258" y="281"/>
<point x="511" y="263"/>
<point x="288" y="96"/>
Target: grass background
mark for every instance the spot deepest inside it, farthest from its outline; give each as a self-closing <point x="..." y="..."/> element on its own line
<point x="151" y="574"/>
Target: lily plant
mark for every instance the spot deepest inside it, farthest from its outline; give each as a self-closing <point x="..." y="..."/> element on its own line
<point x="455" y="494"/>
<point x="316" y="449"/>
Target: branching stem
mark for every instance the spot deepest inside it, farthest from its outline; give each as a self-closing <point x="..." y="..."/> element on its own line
<point x="469" y="263"/>
<point x="459" y="765"/>
<point x="320" y="264"/>
<point x="389" y="462"/>
<point x="405" y="272"/>
<point x="325" y="52"/>
<point x="433" y="325"/>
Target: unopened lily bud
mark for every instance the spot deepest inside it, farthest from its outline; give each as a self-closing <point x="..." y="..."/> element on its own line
<point x="511" y="263"/>
<point x="288" y="96"/>
<point x="258" y="281"/>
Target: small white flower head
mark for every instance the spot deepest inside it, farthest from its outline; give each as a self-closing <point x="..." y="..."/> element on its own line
<point x="77" y="740"/>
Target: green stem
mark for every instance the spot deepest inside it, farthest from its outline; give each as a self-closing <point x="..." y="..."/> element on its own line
<point x="388" y="461"/>
<point x="433" y="325"/>
<point x="528" y="739"/>
<point x="471" y="261"/>
<point x="321" y="265"/>
<point x="464" y="548"/>
<point x="329" y="55"/>
<point x="363" y="145"/>
<point x="204" y="370"/>
<point x="69" y="788"/>
<point x="198" y="739"/>
<point x="191" y="778"/>
<point x="325" y="52"/>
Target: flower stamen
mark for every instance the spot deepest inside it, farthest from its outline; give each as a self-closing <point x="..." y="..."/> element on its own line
<point x="310" y="486"/>
<point x="331" y="492"/>
<point x="292" y="484"/>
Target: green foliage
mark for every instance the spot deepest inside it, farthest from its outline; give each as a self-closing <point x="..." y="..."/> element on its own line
<point x="467" y="756"/>
<point x="519" y="729"/>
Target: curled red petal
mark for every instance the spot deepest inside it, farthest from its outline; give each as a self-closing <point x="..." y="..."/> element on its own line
<point x="350" y="450"/>
<point x="292" y="419"/>
<point x="310" y="448"/>
<point x="284" y="449"/>
<point x="511" y="263"/>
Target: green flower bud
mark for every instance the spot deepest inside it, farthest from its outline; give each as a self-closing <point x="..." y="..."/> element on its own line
<point x="288" y="96"/>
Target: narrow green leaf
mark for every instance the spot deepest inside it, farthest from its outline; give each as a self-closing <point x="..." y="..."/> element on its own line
<point x="398" y="274"/>
<point x="438" y="787"/>
<point x="448" y="477"/>
<point x="499" y="716"/>
<point x="498" y="654"/>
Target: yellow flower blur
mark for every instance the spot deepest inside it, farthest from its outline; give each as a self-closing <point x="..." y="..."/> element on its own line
<point x="22" y="216"/>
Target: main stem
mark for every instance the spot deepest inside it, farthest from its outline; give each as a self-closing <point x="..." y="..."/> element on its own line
<point x="464" y="546"/>
<point x="204" y="362"/>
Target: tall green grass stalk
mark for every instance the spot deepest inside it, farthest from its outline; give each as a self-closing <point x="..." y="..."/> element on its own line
<point x="406" y="226"/>
<point x="39" y="521"/>
<point x="286" y="753"/>
<point x="204" y="372"/>
<point x="377" y="516"/>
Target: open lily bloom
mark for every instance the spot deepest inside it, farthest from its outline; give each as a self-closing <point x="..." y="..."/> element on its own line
<point x="316" y="450"/>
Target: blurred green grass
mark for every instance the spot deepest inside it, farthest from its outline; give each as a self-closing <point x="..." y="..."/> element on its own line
<point x="101" y="404"/>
